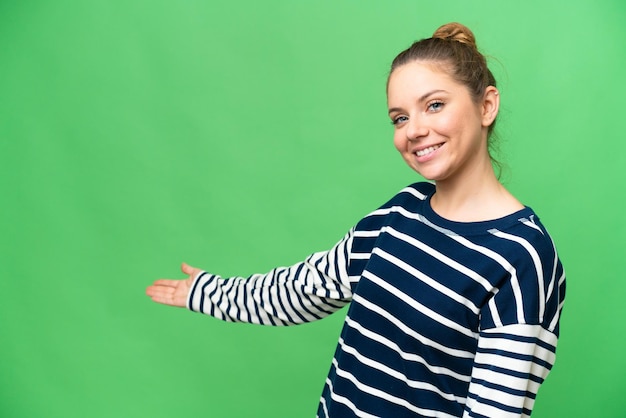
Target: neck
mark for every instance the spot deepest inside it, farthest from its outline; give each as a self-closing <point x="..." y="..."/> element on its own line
<point x="478" y="196"/>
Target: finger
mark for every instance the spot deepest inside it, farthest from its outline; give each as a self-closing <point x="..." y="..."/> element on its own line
<point x="192" y="272"/>
<point x="167" y="300"/>
<point x="187" y="269"/>
<point x="166" y="283"/>
<point x="165" y="295"/>
<point x="159" y="291"/>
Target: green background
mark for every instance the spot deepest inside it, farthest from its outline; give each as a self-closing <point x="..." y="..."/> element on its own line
<point x="241" y="135"/>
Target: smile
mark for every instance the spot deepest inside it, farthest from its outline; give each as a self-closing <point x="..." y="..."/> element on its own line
<point x="427" y="151"/>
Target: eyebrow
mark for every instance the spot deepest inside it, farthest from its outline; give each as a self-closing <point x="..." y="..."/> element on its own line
<point x="421" y="99"/>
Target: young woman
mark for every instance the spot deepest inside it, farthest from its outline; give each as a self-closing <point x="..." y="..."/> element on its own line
<point x="455" y="287"/>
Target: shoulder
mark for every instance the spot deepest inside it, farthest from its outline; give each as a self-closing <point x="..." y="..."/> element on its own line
<point x="414" y="193"/>
<point x="410" y="198"/>
<point x="528" y="232"/>
<point x="533" y="290"/>
<point x="526" y="245"/>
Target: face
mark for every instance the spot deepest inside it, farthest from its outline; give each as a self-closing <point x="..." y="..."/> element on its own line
<point x="438" y="129"/>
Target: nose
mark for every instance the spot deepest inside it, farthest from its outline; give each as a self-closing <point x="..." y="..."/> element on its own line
<point x="416" y="129"/>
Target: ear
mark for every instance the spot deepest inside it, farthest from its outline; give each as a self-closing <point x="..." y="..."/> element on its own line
<point x="490" y="105"/>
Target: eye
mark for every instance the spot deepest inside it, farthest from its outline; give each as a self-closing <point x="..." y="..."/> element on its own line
<point x="435" y="106"/>
<point x="398" y="120"/>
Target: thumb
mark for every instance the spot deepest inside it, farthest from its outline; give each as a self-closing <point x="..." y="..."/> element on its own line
<point x="187" y="269"/>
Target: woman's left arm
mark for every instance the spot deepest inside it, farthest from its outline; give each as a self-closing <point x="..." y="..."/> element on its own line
<point x="511" y="363"/>
<point x="519" y="329"/>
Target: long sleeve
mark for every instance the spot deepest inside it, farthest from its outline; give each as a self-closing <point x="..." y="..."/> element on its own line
<point x="519" y="333"/>
<point x="510" y="364"/>
<point x="304" y="292"/>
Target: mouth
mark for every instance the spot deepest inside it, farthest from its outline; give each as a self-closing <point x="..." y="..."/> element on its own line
<point x="425" y="151"/>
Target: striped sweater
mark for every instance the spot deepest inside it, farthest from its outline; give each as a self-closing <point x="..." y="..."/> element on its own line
<point x="446" y="319"/>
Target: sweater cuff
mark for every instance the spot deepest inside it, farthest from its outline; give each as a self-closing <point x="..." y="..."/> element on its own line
<point x="195" y="299"/>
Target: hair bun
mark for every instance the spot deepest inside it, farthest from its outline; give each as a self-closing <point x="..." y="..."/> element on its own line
<point x="456" y="32"/>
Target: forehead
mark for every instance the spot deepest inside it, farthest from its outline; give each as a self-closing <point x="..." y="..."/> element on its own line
<point x="419" y="77"/>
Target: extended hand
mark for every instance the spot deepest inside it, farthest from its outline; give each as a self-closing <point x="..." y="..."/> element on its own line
<point x="173" y="292"/>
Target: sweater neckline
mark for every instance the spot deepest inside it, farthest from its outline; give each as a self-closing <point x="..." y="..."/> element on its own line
<point x="476" y="227"/>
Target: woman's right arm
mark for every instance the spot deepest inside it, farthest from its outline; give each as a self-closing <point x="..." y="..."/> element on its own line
<point x="306" y="291"/>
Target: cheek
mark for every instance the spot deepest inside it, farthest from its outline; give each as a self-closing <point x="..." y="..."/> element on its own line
<point x="446" y="124"/>
<point x="454" y="124"/>
<point x="399" y="141"/>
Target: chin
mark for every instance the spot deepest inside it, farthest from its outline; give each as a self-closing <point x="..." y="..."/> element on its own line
<point x="430" y="176"/>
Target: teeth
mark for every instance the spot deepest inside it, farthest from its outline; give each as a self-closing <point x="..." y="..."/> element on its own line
<point x="428" y="150"/>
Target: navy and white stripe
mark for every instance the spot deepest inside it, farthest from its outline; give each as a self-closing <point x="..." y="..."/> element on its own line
<point x="446" y="319"/>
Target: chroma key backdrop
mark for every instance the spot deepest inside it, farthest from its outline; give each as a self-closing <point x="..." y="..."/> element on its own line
<point x="241" y="135"/>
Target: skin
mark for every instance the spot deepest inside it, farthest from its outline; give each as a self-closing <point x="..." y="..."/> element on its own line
<point x="434" y="114"/>
<point x="173" y="292"/>
<point x="428" y="109"/>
